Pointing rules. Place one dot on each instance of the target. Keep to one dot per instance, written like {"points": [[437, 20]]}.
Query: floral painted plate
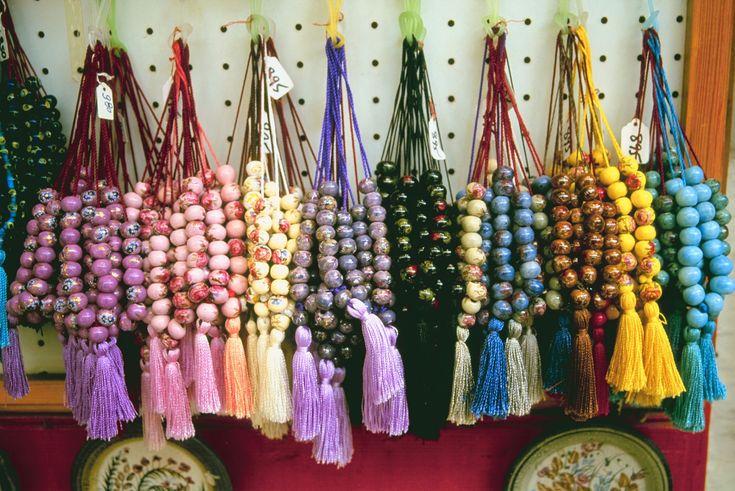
{"points": [[591, 458], [127, 464]]}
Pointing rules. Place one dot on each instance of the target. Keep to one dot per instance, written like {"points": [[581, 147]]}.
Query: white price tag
{"points": [[279, 83], [635, 140], [105, 103], [4, 54], [266, 136], [435, 143], [166, 89]]}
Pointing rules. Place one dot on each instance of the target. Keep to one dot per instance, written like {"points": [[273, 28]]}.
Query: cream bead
{"points": [[279, 287], [261, 286], [294, 230], [477, 208], [291, 245], [278, 241], [476, 291], [292, 216], [261, 309], [279, 323], [471, 223], [279, 272], [289, 202], [470, 306], [277, 304], [264, 222], [474, 256], [251, 327], [259, 270], [255, 168], [264, 323], [270, 189], [471, 239]]}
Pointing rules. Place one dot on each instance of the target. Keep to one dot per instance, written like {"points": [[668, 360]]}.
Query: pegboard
{"points": [[454, 47]]}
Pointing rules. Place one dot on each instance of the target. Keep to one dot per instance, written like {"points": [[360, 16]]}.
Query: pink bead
{"points": [[161, 306], [142, 189], [238, 284], [126, 324], [219, 277], [238, 265], [132, 214], [195, 275], [236, 247], [181, 300], [136, 311], [177, 283], [197, 244], [159, 243], [215, 216], [133, 200], [156, 291], [220, 261], [194, 184], [195, 228], [234, 210], [181, 253], [185, 316], [159, 322], [197, 260], [198, 292], [175, 330], [159, 275], [179, 268], [207, 312], [225, 174], [178, 237], [218, 247], [235, 229], [194, 213], [218, 294], [211, 200], [157, 258], [216, 232], [231, 308], [230, 192]]}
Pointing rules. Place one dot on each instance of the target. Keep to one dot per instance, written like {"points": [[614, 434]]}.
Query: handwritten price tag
{"points": [[279, 83], [635, 140], [105, 104], [266, 136], [435, 141], [4, 55]]}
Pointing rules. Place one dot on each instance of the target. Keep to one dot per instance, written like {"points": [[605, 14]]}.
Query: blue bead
{"points": [[503, 238], [687, 217], [710, 230], [704, 192], [502, 310], [524, 235], [521, 199], [485, 278], [696, 318], [484, 267], [527, 252], [693, 295], [534, 287], [523, 217], [673, 186], [689, 255], [662, 278], [505, 272], [460, 194], [530, 270], [715, 303], [500, 255], [713, 248], [502, 222], [500, 205], [501, 291], [686, 196], [486, 230], [689, 276], [519, 300], [724, 285], [486, 246], [693, 175], [706, 210], [541, 184], [488, 196], [720, 266], [690, 236]]}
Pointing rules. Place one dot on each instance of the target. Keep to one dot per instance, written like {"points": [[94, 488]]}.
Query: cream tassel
{"points": [[518, 403], [460, 412], [532, 363]]}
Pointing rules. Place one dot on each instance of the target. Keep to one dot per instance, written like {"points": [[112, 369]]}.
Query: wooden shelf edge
{"points": [[45, 396]]}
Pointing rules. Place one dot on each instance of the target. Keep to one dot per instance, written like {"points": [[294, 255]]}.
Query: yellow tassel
{"points": [[641, 399], [626, 373], [662, 376]]}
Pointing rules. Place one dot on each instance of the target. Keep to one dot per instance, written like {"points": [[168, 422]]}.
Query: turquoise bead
{"points": [[689, 255], [713, 248], [710, 230], [689, 276], [690, 236], [686, 196], [704, 193], [662, 278], [654, 192], [653, 179], [656, 245], [673, 186], [720, 201], [694, 175], [723, 217], [706, 211], [715, 303], [687, 217], [693, 295], [713, 184], [727, 249], [720, 266], [696, 318], [724, 285]]}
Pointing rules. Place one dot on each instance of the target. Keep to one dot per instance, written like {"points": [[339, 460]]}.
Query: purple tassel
{"points": [[110, 404], [381, 380], [343, 418], [397, 410], [16, 383], [85, 382], [305, 389], [326, 448]]}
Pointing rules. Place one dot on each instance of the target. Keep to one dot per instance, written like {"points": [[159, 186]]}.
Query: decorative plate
{"points": [[591, 458], [126, 464]]}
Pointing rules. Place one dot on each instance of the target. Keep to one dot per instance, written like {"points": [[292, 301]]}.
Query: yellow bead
{"points": [[575, 158], [626, 224], [600, 155], [641, 198], [609, 175], [645, 249], [646, 232], [624, 205], [627, 242], [628, 165], [617, 190]]}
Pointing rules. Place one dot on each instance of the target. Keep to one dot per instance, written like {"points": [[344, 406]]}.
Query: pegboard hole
{"points": [[44, 71], [450, 98], [604, 20], [679, 19], [159, 140], [299, 64], [376, 136], [601, 96], [77, 33], [304, 173], [229, 139], [152, 68], [41, 343], [642, 19], [677, 57], [450, 135], [374, 24], [80, 70], [450, 172], [526, 97], [450, 61], [450, 22], [298, 27], [155, 104], [564, 96], [527, 59], [603, 58], [302, 102], [376, 100], [223, 28], [228, 103], [376, 62], [41, 34], [190, 67], [149, 30], [302, 138], [639, 57], [527, 21], [675, 94], [226, 66]]}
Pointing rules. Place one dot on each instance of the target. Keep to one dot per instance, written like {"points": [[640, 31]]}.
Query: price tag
{"points": [[279, 83], [105, 104], [4, 54], [166, 89], [266, 139], [635, 140], [435, 142]]}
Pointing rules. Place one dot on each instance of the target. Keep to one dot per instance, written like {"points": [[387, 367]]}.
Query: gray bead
{"points": [[308, 211], [327, 203], [348, 262], [345, 231], [337, 337], [325, 232], [358, 212], [381, 296], [360, 228], [382, 263], [346, 327], [329, 247], [359, 292], [310, 304], [299, 274], [376, 214], [333, 278], [368, 185], [324, 300], [341, 298], [329, 188], [354, 277], [388, 317], [364, 257], [308, 227], [347, 246], [381, 246], [299, 292], [311, 196], [302, 258], [368, 271], [326, 217], [344, 217], [326, 351], [377, 230], [372, 199], [300, 318], [326, 319], [382, 279], [327, 263], [364, 242], [304, 242]]}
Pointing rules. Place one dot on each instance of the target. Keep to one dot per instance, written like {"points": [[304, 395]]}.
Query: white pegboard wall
{"points": [[454, 45]]}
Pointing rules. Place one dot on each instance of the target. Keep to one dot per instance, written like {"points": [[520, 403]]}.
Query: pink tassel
{"points": [[205, 386], [217, 347], [109, 404], [188, 366], [178, 415], [343, 417], [15, 381], [152, 425], [305, 389], [381, 380], [156, 369], [326, 448]]}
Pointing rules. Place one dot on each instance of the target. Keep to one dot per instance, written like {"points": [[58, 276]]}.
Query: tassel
{"points": [[491, 391], [273, 431], [205, 383], [581, 395], [238, 394], [662, 377], [253, 375], [561, 349], [263, 324], [714, 389], [460, 412], [625, 373], [675, 327], [326, 449], [396, 413], [381, 380], [4, 329], [188, 368], [178, 415], [86, 385], [156, 370], [109, 404], [71, 370], [599, 356], [279, 408], [152, 425], [15, 381], [518, 402], [343, 418], [532, 364], [217, 348], [305, 389], [688, 411]]}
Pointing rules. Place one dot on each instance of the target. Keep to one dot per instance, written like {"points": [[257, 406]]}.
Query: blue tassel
{"points": [[561, 350], [714, 389], [491, 391], [4, 338], [688, 410]]}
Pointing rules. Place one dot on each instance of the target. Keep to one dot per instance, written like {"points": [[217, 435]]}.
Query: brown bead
{"points": [[576, 215], [588, 275], [644, 216], [593, 207], [591, 257], [646, 265], [561, 181], [612, 256], [573, 200], [599, 302], [560, 247], [578, 230], [588, 193], [560, 213], [580, 298], [568, 278], [560, 196], [629, 261], [611, 272], [585, 180], [595, 223], [577, 171], [611, 226], [593, 240], [560, 263], [576, 246], [563, 230], [609, 210], [609, 290]]}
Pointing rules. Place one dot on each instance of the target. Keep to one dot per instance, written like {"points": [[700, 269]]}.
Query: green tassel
{"points": [[688, 410]]}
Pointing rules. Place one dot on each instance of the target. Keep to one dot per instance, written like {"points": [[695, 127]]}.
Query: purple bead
{"points": [[101, 216], [53, 207], [132, 262], [324, 300], [136, 293], [101, 233], [347, 246], [368, 186], [376, 214], [71, 220], [30, 243], [333, 278], [70, 236], [43, 270], [325, 232], [359, 292], [360, 228], [329, 247], [116, 260], [308, 211], [86, 317], [377, 230], [308, 227], [304, 242], [46, 239], [106, 317], [87, 230], [382, 263], [100, 251], [106, 300], [388, 317], [88, 213], [90, 279], [133, 277], [358, 212], [302, 258], [364, 257], [132, 245], [32, 227], [329, 188], [98, 334], [381, 246], [344, 217], [341, 298], [71, 285], [345, 232], [299, 291], [117, 211], [37, 287], [364, 242], [354, 277], [45, 254], [107, 284], [71, 269], [23, 275], [101, 267], [382, 279], [298, 275], [372, 199], [115, 242], [347, 262], [327, 263], [38, 210], [326, 217], [77, 302], [130, 229]]}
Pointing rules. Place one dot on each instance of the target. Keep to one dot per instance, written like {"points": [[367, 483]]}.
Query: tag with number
{"points": [[279, 83], [266, 137], [635, 140], [105, 104], [4, 55], [435, 142]]}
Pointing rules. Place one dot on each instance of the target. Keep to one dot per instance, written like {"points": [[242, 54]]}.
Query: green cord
{"points": [[412, 25], [258, 25], [116, 43]]}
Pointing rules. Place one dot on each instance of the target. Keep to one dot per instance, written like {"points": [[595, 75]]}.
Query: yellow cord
{"points": [[335, 8]]}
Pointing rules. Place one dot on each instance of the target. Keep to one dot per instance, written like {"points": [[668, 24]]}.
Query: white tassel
{"points": [[278, 407]]}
